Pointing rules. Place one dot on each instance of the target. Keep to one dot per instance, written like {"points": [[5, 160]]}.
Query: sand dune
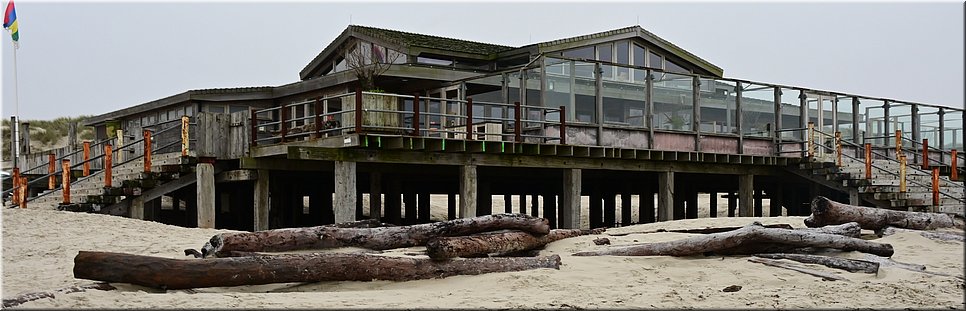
{"points": [[39, 246]]}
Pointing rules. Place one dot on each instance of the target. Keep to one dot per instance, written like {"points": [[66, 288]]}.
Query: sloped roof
{"points": [[176, 99], [429, 41]]}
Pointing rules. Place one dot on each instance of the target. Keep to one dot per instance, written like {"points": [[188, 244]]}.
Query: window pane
{"points": [[929, 125], [953, 132], [900, 116], [843, 113], [433, 61], [674, 67], [718, 107], [605, 52], [872, 120], [622, 53], [581, 53], [757, 110], [655, 60], [791, 113], [623, 103], [585, 102], [558, 86], [673, 102]]}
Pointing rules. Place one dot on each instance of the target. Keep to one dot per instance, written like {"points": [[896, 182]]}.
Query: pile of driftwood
{"points": [[832, 225], [486, 243]]}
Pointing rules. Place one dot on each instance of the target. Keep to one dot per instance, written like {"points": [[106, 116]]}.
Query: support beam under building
{"points": [[261, 201], [626, 208], [375, 195], [646, 206], [665, 196], [775, 202], [746, 193], [713, 204], [468, 188], [137, 207], [345, 191], [206, 195], [570, 199], [550, 209]]}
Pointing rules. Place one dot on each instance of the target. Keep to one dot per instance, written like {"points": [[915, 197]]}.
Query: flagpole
{"points": [[16, 124]]}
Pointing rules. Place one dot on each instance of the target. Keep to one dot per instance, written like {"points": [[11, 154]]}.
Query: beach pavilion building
{"points": [[624, 122]]}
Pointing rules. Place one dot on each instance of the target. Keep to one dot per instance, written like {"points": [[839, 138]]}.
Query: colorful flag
{"points": [[10, 22]]}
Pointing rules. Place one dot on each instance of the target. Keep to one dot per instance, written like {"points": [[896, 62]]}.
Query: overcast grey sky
{"points": [[91, 58]]}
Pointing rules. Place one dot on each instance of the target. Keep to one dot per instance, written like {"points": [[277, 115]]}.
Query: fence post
{"points": [[516, 122], [811, 140], [925, 153], [185, 138], [108, 162], [898, 143], [147, 151], [65, 167], [868, 161], [51, 169], [283, 124], [954, 175], [254, 122], [358, 114], [87, 157], [120, 143], [318, 117], [416, 115], [838, 148], [902, 173], [23, 191], [935, 186], [563, 125], [469, 119], [17, 188]]}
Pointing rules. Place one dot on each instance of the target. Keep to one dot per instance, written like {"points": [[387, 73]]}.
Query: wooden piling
{"points": [[935, 186], [262, 203], [868, 161], [925, 154], [185, 138], [147, 151], [713, 204], [108, 163], [65, 169], [954, 174], [570, 199], [345, 191], [87, 157], [51, 169], [746, 188], [626, 218], [468, 189], [665, 195]]}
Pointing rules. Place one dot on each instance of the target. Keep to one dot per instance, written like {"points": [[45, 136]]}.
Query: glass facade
{"points": [[872, 121], [719, 110], [757, 110], [673, 100], [791, 110]]}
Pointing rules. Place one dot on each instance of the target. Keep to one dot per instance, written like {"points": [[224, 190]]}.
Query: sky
{"points": [[95, 57]]}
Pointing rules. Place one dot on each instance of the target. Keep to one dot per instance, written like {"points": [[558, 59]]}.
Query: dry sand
{"points": [[39, 247]]}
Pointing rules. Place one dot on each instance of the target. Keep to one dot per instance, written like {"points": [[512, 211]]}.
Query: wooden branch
{"points": [[775, 263], [850, 265], [906, 266], [828, 212], [705, 230], [496, 243], [166, 273], [933, 235], [381, 238], [746, 241], [366, 223], [20, 299]]}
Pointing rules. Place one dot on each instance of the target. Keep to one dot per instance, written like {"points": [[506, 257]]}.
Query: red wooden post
{"points": [[318, 117], [935, 186], [23, 191], [284, 122], [87, 157], [416, 115], [868, 161], [954, 175], [147, 151], [17, 187], [563, 125], [108, 162], [185, 140], [358, 113], [254, 121], [838, 148], [469, 119], [898, 143], [65, 167], [925, 153], [51, 169], [516, 122]]}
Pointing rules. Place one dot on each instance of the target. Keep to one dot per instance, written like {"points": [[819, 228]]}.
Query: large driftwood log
{"points": [[779, 264], [828, 212], [20, 299], [849, 229], [381, 238], [166, 273], [744, 241], [499, 243], [850, 265], [933, 235], [366, 223]]}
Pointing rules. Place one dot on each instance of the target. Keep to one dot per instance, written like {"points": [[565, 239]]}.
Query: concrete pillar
{"points": [[665, 196], [759, 195], [550, 209], [713, 204], [570, 199], [261, 201], [345, 191], [206, 195], [137, 207], [375, 195], [746, 191], [854, 197], [646, 206], [468, 188], [626, 208]]}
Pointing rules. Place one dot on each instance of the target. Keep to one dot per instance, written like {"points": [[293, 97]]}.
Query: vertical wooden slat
{"points": [[925, 153], [87, 157], [147, 151], [563, 125], [358, 112], [185, 138], [469, 119], [65, 167], [416, 115], [868, 160], [516, 122], [108, 163], [51, 169]]}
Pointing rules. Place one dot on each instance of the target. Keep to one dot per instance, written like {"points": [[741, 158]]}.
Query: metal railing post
{"points": [[416, 102], [516, 122], [87, 157], [811, 140], [563, 125], [925, 153], [358, 114], [935, 186], [838, 148], [469, 119], [902, 173], [147, 151], [185, 139], [65, 166], [954, 175], [108, 162], [868, 160], [51, 169]]}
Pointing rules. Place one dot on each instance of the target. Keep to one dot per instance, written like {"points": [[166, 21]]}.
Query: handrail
{"points": [[64, 156]]}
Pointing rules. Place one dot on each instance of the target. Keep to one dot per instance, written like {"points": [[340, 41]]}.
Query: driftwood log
{"points": [[850, 265], [705, 230], [498, 243], [779, 264], [828, 212], [366, 223], [20, 299], [932, 235], [752, 239], [166, 273], [888, 262], [381, 238]]}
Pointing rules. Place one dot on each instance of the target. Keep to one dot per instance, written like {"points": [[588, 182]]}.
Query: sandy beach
{"points": [[39, 246]]}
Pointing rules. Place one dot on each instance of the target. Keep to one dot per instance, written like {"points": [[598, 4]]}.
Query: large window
{"points": [[718, 107], [757, 110], [623, 103], [673, 102]]}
